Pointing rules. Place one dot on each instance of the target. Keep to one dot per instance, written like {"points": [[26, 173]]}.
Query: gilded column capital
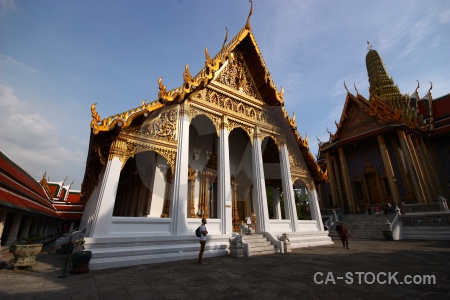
{"points": [[256, 132], [122, 149], [224, 123], [184, 109]]}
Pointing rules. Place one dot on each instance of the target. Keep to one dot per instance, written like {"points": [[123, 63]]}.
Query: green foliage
{"points": [[301, 202], [26, 240], [31, 239]]}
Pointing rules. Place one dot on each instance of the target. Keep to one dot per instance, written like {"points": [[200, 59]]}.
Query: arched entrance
{"points": [[136, 195], [203, 164], [301, 200], [241, 182]]}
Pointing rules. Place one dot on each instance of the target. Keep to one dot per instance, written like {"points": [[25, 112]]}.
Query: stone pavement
{"points": [[287, 276]]}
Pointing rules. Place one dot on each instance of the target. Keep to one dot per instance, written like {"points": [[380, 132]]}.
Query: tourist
{"points": [[377, 211], [203, 233], [369, 211], [385, 208], [343, 234], [389, 207]]}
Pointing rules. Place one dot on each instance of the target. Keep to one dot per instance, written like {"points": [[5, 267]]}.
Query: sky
{"points": [[59, 57]]}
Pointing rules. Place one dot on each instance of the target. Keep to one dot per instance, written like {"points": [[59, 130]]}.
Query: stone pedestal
{"points": [[236, 251], [287, 247]]}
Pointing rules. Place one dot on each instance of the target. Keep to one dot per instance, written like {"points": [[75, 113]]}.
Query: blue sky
{"points": [[59, 57]]}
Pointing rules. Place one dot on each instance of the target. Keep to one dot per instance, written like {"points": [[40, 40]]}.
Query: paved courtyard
{"points": [[369, 270]]}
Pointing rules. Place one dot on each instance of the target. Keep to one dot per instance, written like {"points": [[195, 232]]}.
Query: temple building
{"points": [[210, 148], [391, 148], [29, 207]]}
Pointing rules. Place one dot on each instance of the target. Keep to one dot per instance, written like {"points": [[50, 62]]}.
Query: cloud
{"points": [[9, 63], [7, 6], [444, 16], [31, 140]]}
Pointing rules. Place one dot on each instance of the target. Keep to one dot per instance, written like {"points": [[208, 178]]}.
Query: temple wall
{"points": [[442, 146]]}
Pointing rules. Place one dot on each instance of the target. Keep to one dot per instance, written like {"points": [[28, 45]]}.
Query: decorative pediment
{"points": [[241, 179], [162, 127], [357, 122], [236, 75]]}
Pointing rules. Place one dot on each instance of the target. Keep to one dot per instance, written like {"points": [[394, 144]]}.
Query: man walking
{"points": [[203, 233]]}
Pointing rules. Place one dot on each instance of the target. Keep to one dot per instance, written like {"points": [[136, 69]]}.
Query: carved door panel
{"points": [[241, 203]]}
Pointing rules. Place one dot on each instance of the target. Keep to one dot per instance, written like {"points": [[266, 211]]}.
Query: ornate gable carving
{"points": [[163, 127], [358, 122], [237, 76]]}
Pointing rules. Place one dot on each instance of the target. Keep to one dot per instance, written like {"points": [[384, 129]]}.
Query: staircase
{"points": [[259, 244], [362, 226]]}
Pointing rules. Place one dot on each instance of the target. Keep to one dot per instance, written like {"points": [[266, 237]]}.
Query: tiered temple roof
{"points": [[386, 104], [19, 192]]}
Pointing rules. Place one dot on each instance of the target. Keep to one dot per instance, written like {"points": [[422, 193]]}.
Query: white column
{"points": [[3, 215], [26, 224], [276, 203], [315, 208], [179, 195], [40, 229], [259, 186], [224, 185], [288, 189], [90, 208], [14, 231], [34, 225], [104, 204]]}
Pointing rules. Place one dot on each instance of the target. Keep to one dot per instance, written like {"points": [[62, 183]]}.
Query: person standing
{"points": [[343, 234], [203, 233]]}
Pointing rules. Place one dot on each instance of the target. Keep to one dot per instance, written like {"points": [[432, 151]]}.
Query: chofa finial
{"points": [[346, 88], [250, 13], [226, 38]]}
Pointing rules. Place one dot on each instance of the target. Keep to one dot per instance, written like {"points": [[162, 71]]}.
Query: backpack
{"points": [[197, 232]]}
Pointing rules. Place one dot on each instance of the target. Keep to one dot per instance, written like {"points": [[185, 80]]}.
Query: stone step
{"points": [[363, 226], [259, 244]]}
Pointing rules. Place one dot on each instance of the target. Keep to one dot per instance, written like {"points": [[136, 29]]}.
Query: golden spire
{"points": [[247, 26], [381, 84], [417, 88]]}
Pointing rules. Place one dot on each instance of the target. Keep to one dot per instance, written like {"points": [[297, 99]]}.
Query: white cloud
{"points": [[7, 6], [9, 62], [31, 140], [444, 16]]}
